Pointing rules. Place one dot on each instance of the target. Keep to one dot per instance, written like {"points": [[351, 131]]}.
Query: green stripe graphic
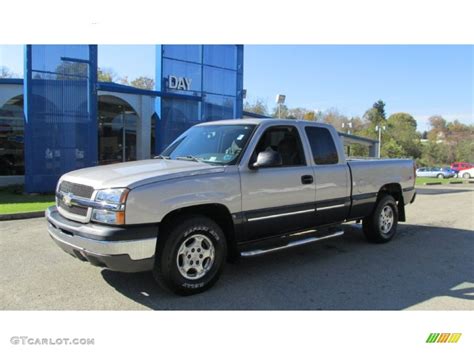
{"points": [[432, 337]]}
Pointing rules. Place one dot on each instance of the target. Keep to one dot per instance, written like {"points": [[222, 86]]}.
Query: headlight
{"points": [[114, 196], [113, 203]]}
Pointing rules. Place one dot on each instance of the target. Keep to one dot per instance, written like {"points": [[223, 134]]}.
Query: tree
{"points": [[438, 128], [401, 128], [309, 116], [280, 111], [71, 71], [143, 82], [375, 116], [392, 149], [106, 75], [334, 118], [6, 73], [258, 106], [379, 106]]}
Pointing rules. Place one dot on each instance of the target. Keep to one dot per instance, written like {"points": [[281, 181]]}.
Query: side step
{"points": [[291, 244]]}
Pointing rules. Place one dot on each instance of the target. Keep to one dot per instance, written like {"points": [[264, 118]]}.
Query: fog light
{"points": [[109, 217]]}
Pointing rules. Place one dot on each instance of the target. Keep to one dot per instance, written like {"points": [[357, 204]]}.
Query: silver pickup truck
{"points": [[223, 190]]}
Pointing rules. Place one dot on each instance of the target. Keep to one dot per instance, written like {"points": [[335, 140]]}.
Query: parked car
{"points": [[440, 173], [458, 166], [466, 173], [223, 190]]}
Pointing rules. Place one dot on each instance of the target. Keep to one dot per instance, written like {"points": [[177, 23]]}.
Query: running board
{"points": [[290, 245]]}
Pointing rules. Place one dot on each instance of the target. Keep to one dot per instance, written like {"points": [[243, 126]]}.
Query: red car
{"points": [[458, 166]]}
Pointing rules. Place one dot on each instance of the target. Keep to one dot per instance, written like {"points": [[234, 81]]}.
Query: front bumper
{"points": [[126, 248]]}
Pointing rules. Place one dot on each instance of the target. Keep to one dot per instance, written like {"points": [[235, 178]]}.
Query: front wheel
{"points": [[189, 257], [466, 176], [440, 176], [381, 225]]}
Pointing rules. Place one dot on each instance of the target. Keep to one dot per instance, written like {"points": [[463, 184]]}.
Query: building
{"points": [[60, 117]]}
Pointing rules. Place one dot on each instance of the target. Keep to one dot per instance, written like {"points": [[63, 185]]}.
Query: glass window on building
{"points": [[189, 53], [217, 107], [132, 65], [221, 56], [51, 62], [178, 116], [12, 137], [220, 81], [188, 74]]}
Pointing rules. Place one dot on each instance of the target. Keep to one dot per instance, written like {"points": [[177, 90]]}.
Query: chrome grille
{"points": [[76, 189], [81, 211]]}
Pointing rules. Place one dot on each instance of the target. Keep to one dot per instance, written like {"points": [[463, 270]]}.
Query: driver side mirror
{"points": [[267, 159]]}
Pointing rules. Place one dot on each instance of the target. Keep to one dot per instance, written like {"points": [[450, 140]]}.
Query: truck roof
{"points": [[259, 121]]}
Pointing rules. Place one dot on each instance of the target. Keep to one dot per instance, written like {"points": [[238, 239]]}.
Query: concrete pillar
{"points": [[146, 108], [374, 150]]}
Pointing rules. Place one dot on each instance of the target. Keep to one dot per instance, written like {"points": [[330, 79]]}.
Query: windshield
{"points": [[214, 144]]}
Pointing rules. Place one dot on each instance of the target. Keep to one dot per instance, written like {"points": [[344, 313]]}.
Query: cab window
{"points": [[284, 140]]}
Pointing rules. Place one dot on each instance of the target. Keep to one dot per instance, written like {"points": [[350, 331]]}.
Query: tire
{"points": [[380, 228], [466, 176], [195, 243], [440, 176]]}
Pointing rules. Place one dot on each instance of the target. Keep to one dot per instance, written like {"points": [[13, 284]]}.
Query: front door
{"points": [[277, 200], [117, 131]]}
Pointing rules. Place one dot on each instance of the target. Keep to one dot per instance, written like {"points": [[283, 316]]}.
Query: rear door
{"points": [[332, 176], [277, 200]]}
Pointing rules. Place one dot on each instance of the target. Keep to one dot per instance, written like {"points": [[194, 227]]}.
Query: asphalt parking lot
{"points": [[430, 265]]}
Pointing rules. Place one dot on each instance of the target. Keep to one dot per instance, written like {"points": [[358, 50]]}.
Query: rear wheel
{"points": [[466, 176], [381, 225], [440, 176], [190, 256]]}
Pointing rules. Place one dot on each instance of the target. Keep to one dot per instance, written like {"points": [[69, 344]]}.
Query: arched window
{"points": [[12, 128], [117, 130]]}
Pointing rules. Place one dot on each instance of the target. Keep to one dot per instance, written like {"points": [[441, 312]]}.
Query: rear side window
{"points": [[322, 145]]}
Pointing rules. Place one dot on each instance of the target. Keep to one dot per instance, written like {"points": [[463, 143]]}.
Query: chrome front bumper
{"points": [[127, 249]]}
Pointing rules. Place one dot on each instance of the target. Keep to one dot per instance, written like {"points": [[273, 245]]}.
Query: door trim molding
{"points": [[280, 215]]}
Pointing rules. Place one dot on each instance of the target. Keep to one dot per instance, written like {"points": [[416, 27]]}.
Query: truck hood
{"points": [[137, 173]]}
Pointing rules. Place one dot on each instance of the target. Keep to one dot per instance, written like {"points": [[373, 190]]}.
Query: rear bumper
{"points": [[126, 249]]}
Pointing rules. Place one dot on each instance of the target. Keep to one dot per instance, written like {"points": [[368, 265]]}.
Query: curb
{"points": [[23, 215], [432, 183], [456, 182]]}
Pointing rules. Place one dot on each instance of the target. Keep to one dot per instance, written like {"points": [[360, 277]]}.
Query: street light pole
{"points": [[280, 100], [379, 129]]}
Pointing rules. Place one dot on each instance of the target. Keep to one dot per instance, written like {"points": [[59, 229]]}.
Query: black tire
{"points": [[372, 225], [440, 176], [167, 269], [466, 176]]}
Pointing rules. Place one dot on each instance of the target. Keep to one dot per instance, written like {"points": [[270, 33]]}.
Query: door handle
{"points": [[306, 179]]}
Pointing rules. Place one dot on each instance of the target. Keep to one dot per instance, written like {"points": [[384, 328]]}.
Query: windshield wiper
{"points": [[161, 157], [189, 158]]}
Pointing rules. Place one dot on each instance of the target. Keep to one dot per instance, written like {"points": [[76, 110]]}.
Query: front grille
{"points": [[76, 189], [81, 211]]}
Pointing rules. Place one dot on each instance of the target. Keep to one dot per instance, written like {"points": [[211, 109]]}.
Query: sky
{"points": [[420, 80], [417, 79]]}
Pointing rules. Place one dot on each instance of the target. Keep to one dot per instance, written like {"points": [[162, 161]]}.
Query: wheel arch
{"points": [[394, 190], [219, 213]]}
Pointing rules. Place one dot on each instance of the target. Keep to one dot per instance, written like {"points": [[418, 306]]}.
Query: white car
{"points": [[466, 173]]}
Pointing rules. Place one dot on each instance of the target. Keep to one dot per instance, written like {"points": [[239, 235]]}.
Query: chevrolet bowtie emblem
{"points": [[67, 199]]}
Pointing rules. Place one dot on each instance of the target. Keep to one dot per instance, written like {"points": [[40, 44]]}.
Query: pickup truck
{"points": [[224, 190]]}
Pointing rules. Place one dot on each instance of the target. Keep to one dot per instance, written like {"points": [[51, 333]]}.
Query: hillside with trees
{"points": [[444, 143]]}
